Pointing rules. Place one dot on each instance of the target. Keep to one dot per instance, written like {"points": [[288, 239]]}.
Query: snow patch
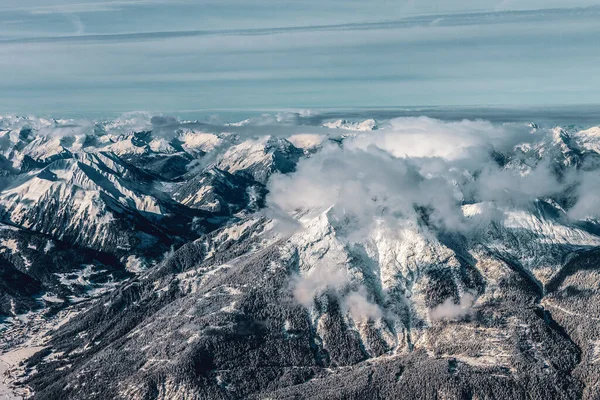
{"points": [[10, 245], [135, 264], [366, 125]]}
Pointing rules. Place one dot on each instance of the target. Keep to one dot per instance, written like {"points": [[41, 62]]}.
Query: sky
{"points": [[105, 57]]}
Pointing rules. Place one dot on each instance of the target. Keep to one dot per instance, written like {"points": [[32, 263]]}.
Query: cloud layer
{"points": [[429, 173]]}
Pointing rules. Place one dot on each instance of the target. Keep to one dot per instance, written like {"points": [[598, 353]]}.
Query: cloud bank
{"points": [[429, 173], [413, 167]]}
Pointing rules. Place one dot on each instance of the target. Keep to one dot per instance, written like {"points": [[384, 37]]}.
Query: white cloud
{"points": [[359, 306], [307, 141], [364, 184], [588, 197], [335, 278], [317, 281], [428, 137], [449, 310], [421, 164]]}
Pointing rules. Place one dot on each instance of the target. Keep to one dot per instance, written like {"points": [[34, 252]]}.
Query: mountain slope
{"points": [[39, 271], [229, 327], [93, 201]]}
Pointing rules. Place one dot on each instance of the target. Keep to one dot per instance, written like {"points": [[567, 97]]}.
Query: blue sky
{"points": [[106, 57]]}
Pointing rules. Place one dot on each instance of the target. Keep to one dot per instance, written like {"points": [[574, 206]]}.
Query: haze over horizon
{"points": [[107, 57]]}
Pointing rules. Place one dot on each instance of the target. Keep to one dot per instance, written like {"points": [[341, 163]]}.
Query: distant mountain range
{"points": [[286, 258]]}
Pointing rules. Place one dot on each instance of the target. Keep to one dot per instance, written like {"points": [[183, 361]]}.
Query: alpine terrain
{"points": [[299, 256]]}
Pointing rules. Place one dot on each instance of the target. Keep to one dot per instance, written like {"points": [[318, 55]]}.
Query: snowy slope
{"points": [[219, 192], [260, 158], [540, 238]]}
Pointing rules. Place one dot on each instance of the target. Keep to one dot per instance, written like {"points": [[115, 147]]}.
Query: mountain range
{"points": [[278, 257]]}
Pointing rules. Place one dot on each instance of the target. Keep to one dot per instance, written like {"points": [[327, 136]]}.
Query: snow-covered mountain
{"points": [[366, 125], [219, 192], [260, 158], [208, 261]]}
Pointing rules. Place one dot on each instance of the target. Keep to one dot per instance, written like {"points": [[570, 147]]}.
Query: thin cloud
{"points": [[90, 7], [445, 20], [77, 23]]}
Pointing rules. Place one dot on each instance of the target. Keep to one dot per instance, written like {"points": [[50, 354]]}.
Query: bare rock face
{"points": [[145, 265]]}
